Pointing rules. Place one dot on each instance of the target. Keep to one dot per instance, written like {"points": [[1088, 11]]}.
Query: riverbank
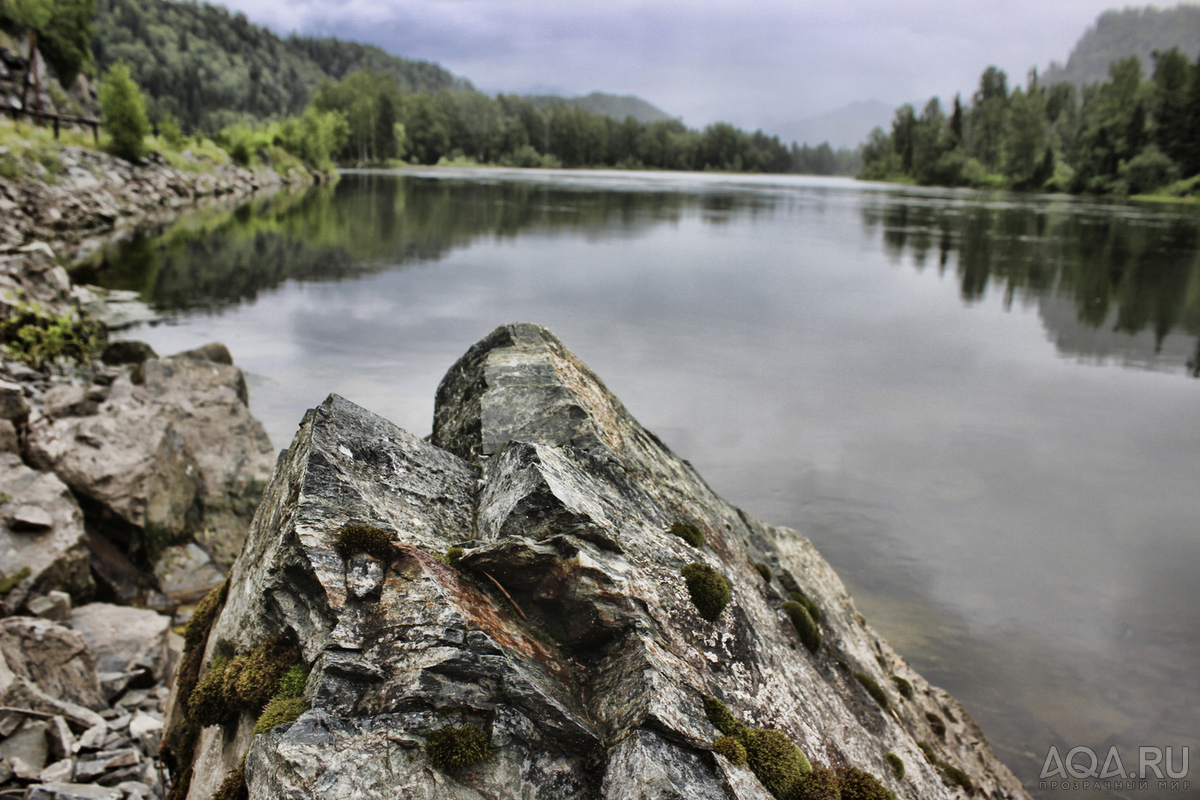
{"points": [[127, 481]]}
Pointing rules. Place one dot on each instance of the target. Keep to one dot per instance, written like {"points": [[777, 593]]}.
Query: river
{"points": [[981, 407]]}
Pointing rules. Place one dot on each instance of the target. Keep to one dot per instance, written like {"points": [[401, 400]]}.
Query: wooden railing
{"points": [[59, 119]]}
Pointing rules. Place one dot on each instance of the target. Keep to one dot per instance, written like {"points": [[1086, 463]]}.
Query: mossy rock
{"points": [[451, 748], [254, 678], [689, 533], [709, 589], [927, 749], [896, 763], [872, 688], [820, 784], [721, 717], [764, 571], [291, 683], [357, 538], [806, 626], [775, 760], [731, 748], [280, 712], [855, 784], [903, 687], [7, 584], [453, 556], [204, 615], [209, 703]]}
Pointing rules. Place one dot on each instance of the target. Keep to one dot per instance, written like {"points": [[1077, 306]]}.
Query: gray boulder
{"points": [[173, 457], [41, 535], [565, 634], [123, 639], [53, 658]]}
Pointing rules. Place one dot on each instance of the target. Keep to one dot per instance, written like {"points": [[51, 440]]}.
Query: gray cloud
{"points": [[759, 63]]}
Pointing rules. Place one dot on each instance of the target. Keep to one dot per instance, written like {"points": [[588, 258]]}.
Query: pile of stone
{"points": [[82, 699], [94, 192]]}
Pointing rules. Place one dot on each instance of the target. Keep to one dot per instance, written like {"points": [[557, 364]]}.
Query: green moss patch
{"points": [[928, 751], [954, 775], [775, 759], [234, 786], [806, 626], [7, 584], [731, 748], [721, 717], [709, 589], [903, 687], [809, 604], [452, 748], [855, 784], [452, 556], [689, 533], [936, 724], [280, 712], [896, 763], [245, 683], [764, 571], [819, 784], [872, 688], [356, 538]]}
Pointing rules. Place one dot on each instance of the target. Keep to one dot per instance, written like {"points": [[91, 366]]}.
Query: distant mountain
{"points": [[1128, 32], [210, 67], [616, 106], [847, 126]]}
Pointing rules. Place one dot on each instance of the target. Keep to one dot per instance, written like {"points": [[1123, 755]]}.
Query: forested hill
{"points": [[610, 105], [1129, 32], [211, 68]]}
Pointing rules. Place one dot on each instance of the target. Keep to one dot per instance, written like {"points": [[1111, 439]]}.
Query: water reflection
{"points": [[1133, 277], [1125, 271]]}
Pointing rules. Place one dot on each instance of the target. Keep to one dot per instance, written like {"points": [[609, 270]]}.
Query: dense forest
{"points": [[210, 68], [1126, 135], [1124, 33]]}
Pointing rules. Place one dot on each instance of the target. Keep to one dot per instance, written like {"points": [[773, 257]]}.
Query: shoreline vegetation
{"points": [[1125, 137]]}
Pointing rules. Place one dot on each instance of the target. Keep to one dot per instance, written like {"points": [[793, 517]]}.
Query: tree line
{"points": [[1126, 135]]}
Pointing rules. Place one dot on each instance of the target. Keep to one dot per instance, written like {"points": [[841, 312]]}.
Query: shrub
{"points": [[903, 687], [872, 688], [775, 759], [452, 748], [721, 717], [809, 604], [124, 113], [764, 571], [34, 337], [709, 589], [689, 533], [820, 784], [1148, 170], [896, 763], [859, 785], [810, 632], [936, 724], [168, 129], [356, 538], [280, 712], [732, 749]]}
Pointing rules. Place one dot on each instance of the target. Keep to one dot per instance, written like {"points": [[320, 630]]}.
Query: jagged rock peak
{"points": [[537, 605]]}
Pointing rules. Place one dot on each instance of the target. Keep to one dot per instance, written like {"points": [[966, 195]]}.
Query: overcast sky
{"points": [[756, 63]]}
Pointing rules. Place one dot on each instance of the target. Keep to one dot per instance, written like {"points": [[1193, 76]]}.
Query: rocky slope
{"points": [[503, 612]]}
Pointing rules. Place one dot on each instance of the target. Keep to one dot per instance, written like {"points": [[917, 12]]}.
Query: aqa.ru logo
{"points": [[1082, 769]]}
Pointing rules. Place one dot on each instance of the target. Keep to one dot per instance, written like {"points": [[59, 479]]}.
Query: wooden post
{"points": [[56, 127]]}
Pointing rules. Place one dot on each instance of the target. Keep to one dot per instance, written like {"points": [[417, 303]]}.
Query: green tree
{"points": [[124, 113], [65, 39], [988, 120], [1112, 128], [1172, 79], [1025, 146]]}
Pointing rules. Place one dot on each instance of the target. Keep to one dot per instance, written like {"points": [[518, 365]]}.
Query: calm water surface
{"points": [[983, 409]]}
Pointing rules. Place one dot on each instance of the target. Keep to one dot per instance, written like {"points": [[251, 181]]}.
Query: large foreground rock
{"points": [[566, 633], [174, 456]]}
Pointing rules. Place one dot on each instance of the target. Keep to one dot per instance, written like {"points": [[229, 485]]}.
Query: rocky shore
{"points": [[127, 484]]}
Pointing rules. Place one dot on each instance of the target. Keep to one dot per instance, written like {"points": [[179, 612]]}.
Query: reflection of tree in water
{"points": [[364, 223], [1126, 268]]}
